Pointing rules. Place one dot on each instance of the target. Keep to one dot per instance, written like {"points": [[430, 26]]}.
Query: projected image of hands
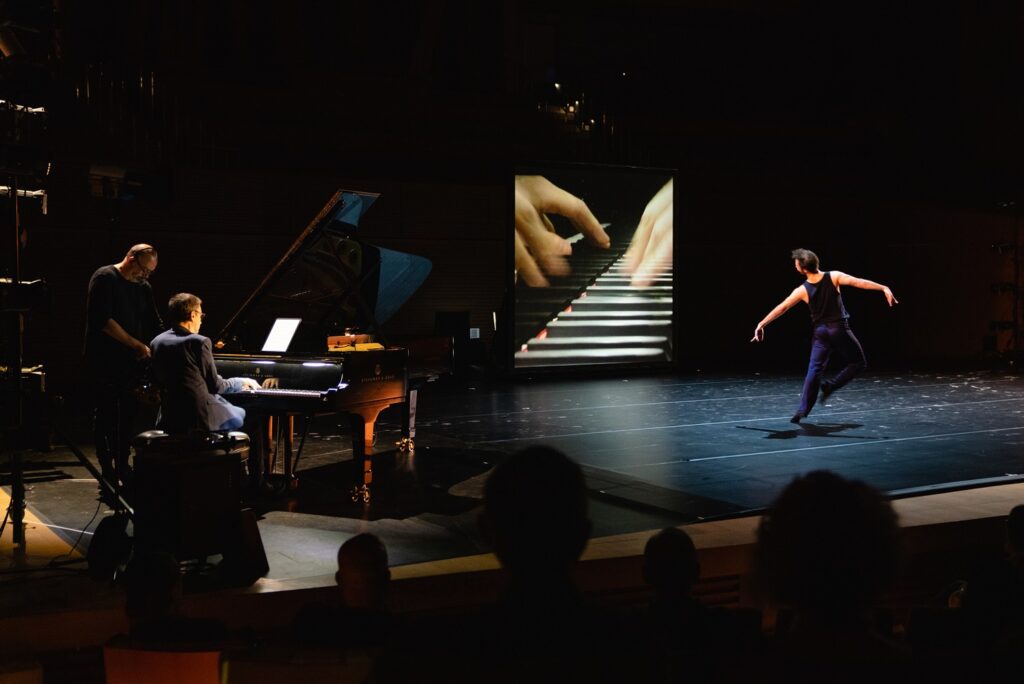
{"points": [[540, 251], [650, 253], [592, 277]]}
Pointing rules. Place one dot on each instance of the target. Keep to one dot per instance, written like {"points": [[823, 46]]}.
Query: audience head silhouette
{"points": [[670, 563], [1015, 532], [827, 546], [535, 513], [363, 575]]}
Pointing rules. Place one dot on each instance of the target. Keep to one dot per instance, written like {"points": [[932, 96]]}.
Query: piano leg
{"points": [[363, 423], [278, 434], [407, 443], [270, 454], [288, 426], [293, 481]]}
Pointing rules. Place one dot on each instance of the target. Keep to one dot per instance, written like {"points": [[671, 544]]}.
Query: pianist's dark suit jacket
{"points": [[189, 385]]}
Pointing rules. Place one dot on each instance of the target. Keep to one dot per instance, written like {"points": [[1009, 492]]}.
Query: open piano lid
{"points": [[333, 281]]}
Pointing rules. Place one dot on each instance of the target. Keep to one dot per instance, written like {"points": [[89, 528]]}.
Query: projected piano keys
{"points": [[605, 320]]}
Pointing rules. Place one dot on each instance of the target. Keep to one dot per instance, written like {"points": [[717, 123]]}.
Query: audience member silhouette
{"points": [[827, 548], [154, 589], [681, 637], [993, 602], [676, 631], [358, 617], [671, 567], [535, 519]]}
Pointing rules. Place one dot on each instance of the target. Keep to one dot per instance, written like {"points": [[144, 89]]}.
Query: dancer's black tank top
{"points": [[825, 301]]}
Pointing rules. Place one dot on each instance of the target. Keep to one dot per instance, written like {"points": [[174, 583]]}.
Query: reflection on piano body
{"points": [[593, 315], [337, 285]]}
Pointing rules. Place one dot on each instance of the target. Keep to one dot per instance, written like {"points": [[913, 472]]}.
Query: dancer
{"points": [[831, 327]]}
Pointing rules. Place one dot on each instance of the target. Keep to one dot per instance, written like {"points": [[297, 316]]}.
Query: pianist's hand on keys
{"points": [[539, 250], [241, 385], [650, 253]]}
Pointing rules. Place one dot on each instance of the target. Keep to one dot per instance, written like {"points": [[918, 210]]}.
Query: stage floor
{"points": [[657, 451]]}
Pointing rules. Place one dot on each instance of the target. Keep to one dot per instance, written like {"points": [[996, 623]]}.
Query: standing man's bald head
{"points": [[139, 262]]}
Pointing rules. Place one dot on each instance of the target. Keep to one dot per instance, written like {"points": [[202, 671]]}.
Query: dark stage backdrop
{"points": [[883, 136], [223, 232]]}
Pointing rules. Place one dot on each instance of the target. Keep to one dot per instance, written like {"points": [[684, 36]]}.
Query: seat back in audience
{"points": [[353, 669], [135, 666], [22, 671]]}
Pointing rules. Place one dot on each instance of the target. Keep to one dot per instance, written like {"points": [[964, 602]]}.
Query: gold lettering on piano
{"points": [[379, 378]]}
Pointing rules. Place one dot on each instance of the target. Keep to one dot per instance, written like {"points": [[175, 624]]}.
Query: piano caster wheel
{"points": [[405, 444], [360, 493]]}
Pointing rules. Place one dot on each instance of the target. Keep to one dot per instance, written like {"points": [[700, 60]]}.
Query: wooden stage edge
{"points": [[941, 532]]}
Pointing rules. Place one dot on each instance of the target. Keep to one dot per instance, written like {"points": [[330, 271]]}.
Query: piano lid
{"points": [[333, 281]]}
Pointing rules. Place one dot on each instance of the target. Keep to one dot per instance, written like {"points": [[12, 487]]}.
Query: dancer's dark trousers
{"points": [[831, 338]]}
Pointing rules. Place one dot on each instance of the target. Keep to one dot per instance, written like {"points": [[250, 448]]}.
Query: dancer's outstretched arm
{"points": [[840, 278], [797, 295]]}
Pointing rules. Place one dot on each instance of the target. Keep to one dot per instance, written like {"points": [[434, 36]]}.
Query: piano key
{"points": [[552, 343], [589, 356], [622, 303], [599, 327], [593, 315]]}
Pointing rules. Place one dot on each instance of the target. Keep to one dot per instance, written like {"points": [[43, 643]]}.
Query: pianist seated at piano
{"points": [[190, 388]]}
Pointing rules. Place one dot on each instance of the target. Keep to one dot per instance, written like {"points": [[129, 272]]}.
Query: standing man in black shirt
{"points": [[120, 314], [831, 326]]}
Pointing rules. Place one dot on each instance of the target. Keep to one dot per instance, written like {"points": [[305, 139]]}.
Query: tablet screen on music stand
{"points": [[281, 334]]}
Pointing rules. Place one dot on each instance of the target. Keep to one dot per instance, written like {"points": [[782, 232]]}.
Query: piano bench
{"points": [[187, 491], [197, 443]]}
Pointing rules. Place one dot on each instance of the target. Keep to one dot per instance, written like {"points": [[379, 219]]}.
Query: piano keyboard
{"points": [[607, 320], [291, 393]]}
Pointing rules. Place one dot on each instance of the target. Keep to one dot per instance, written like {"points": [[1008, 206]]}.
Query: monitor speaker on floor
{"points": [[245, 561]]}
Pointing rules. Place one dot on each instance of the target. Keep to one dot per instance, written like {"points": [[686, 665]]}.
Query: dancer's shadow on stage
{"points": [[810, 430]]}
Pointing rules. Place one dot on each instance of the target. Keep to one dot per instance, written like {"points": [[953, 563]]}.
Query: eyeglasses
{"points": [[144, 272], [202, 315]]}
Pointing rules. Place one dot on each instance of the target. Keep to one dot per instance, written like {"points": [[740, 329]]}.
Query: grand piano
{"points": [[306, 332]]}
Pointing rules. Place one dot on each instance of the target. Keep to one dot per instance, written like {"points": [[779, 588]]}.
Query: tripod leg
{"points": [[18, 501]]}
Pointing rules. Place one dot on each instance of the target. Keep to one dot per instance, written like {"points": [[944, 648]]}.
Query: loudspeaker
{"points": [[455, 326], [110, 547], [245, 560]]}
